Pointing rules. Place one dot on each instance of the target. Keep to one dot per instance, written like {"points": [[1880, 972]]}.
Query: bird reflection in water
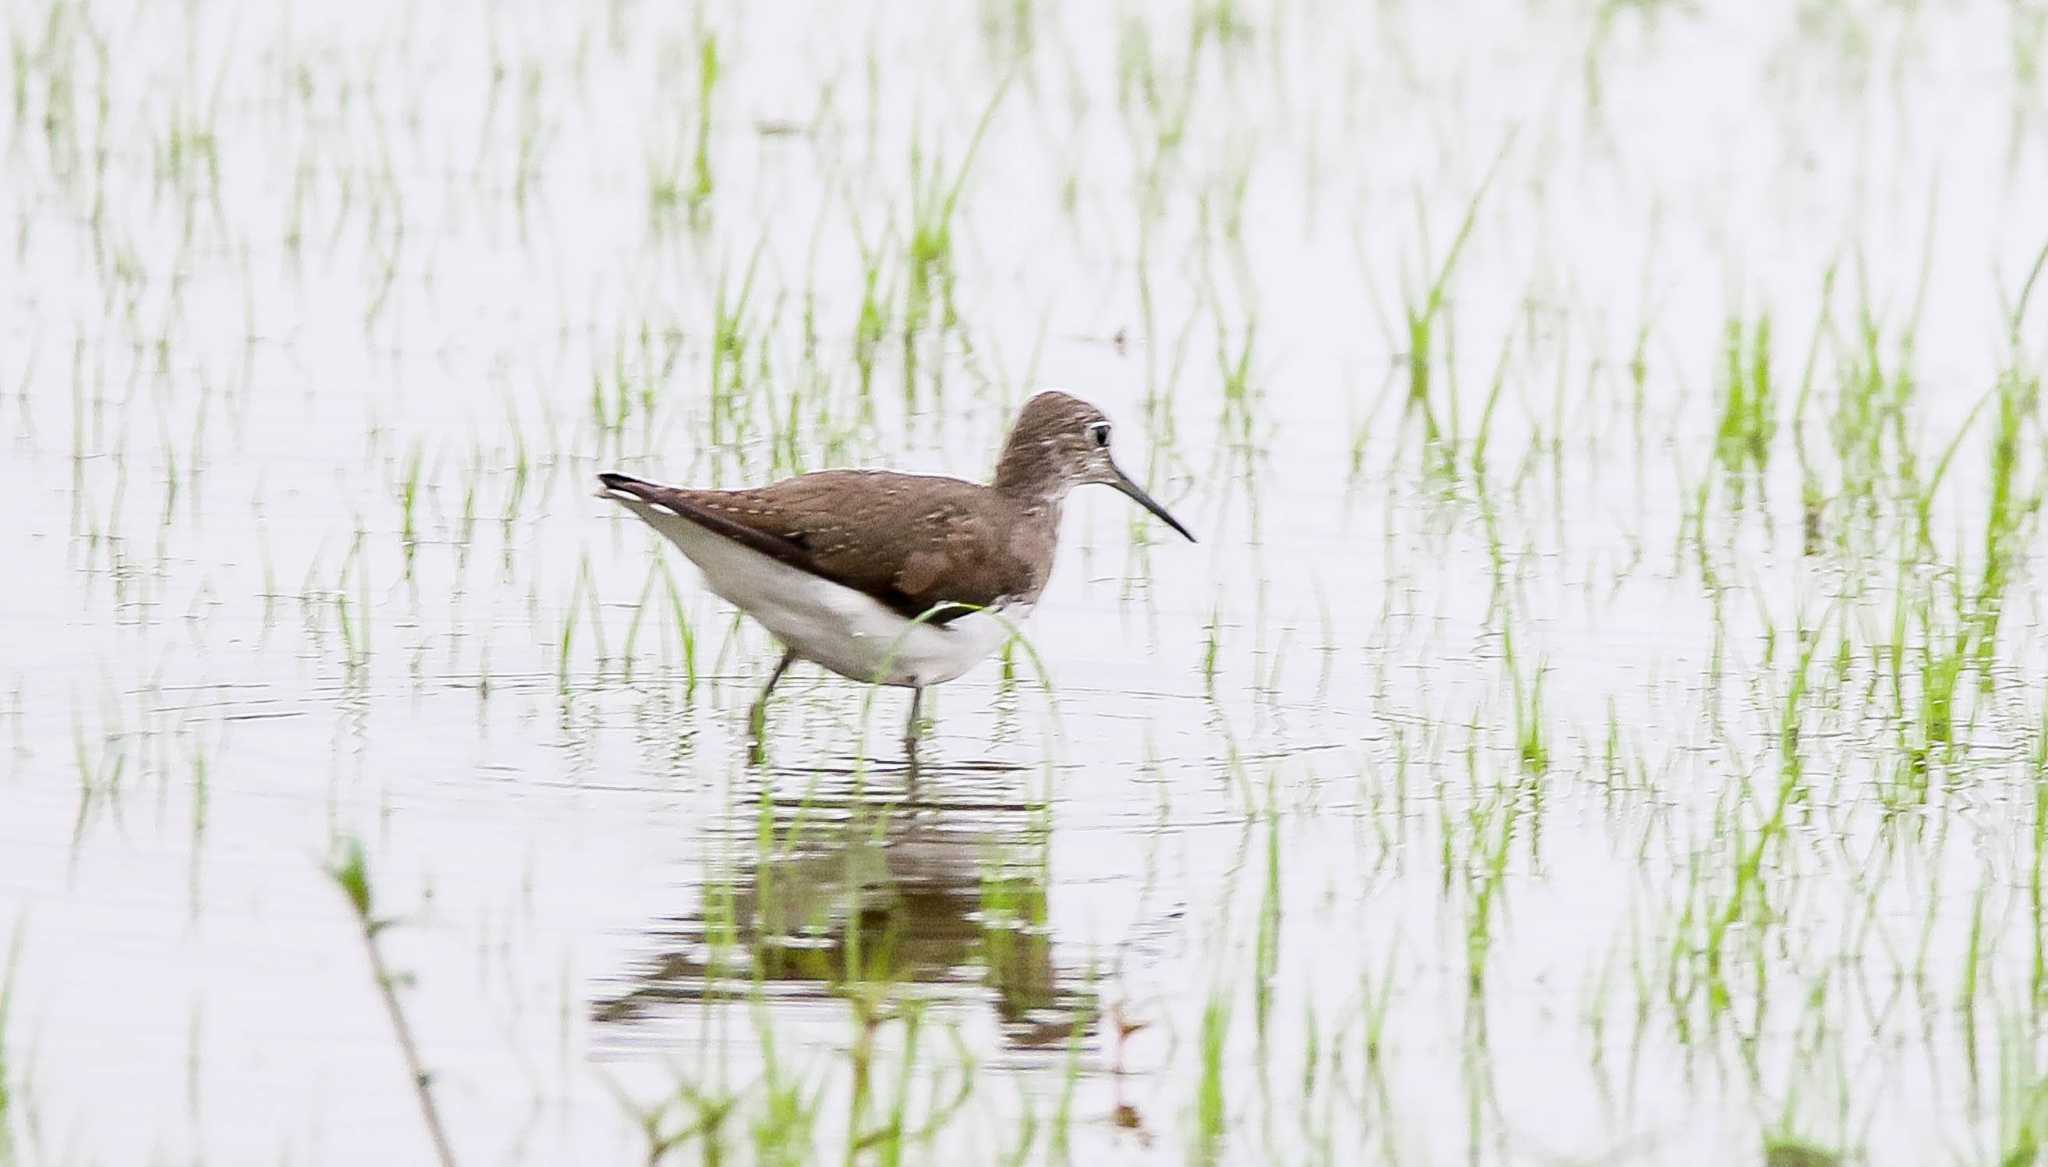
{"points": [[841, 896]]}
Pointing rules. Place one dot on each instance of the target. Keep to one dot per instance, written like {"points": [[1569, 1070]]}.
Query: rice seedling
{"points": [[1749, 835], [8, 1071], [928, 264], [2022, 1099], [1266, 943], [350, 872], [408, 503], [1211, 1105], [700, 159], [1748, 404], [1424, 310]]}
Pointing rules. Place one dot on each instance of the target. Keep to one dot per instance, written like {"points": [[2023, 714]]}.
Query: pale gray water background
{"points": [[262, 260]]}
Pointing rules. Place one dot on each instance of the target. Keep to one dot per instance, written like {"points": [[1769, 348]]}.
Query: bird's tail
{"points": [[624, 488]]}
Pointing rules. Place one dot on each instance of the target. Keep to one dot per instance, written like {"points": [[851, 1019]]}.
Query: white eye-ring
{"points": [[1100, 432]]}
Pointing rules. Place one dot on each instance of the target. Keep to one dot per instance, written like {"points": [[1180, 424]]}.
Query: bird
{"points": [[891, 578]]}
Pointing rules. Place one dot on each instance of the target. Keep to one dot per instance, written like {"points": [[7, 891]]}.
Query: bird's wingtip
{"points": [[617, 487]]}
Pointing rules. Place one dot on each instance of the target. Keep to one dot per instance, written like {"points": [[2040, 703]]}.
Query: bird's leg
{"points": [[910, 729], [757, 717]]}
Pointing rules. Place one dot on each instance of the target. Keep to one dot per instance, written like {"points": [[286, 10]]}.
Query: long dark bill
{"points": [[1123, 483]]}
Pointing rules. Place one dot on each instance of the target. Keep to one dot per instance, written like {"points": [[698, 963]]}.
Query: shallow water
{"points": [[1530, 764]]}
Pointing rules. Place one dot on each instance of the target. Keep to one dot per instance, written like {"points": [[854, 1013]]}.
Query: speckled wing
{"points": [[908, 541]]}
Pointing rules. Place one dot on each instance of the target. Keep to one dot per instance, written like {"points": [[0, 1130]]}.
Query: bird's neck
{"points": [[1027, 476]]}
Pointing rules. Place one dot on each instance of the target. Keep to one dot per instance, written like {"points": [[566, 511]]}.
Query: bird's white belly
{"points": [[842, 629]]}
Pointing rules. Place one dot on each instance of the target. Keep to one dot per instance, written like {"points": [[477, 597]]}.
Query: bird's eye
{"points": [[1100, 432]]}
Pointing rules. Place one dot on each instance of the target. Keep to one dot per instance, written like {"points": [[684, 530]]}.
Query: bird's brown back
{"points": [[910, 541]]}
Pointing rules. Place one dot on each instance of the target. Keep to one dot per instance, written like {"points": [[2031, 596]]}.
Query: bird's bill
{"points": [[1137, 493]]}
